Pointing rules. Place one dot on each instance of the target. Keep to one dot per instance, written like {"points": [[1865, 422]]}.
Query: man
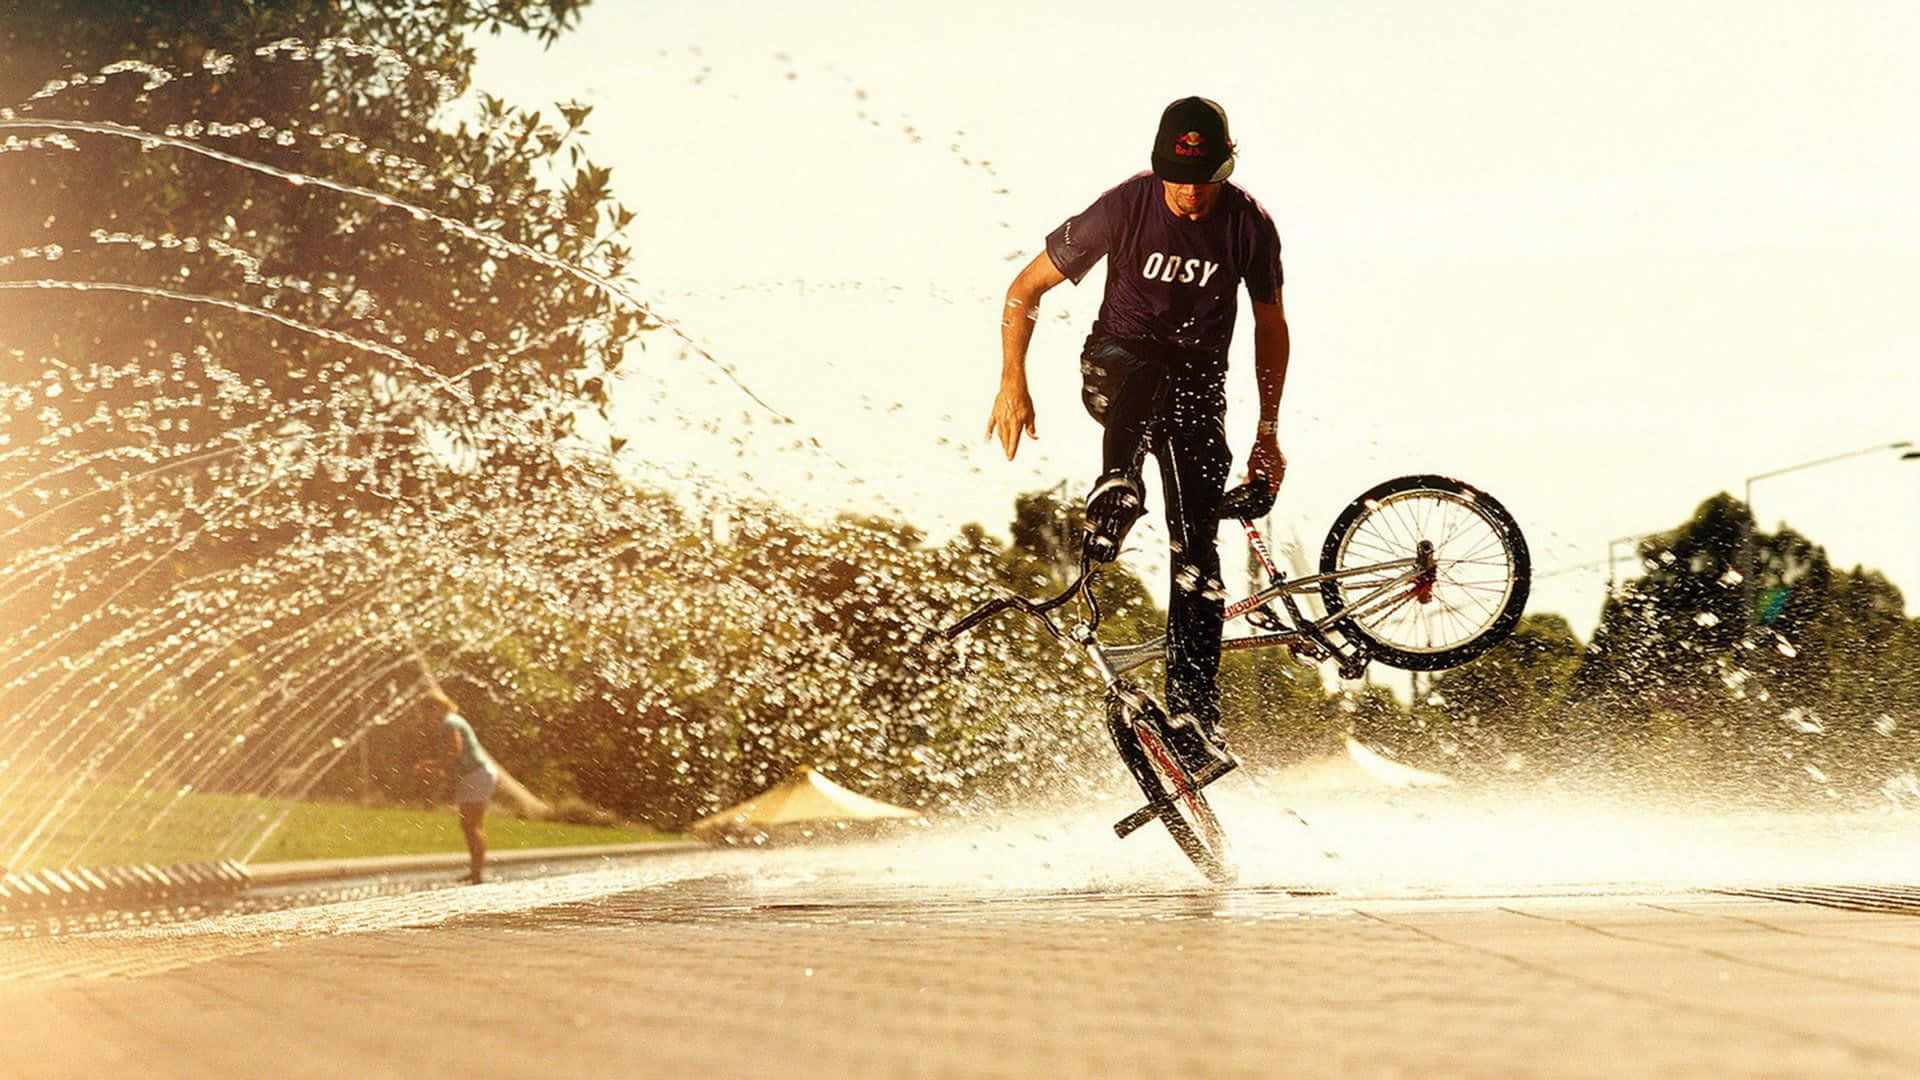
{"points": [[1178, 242]]}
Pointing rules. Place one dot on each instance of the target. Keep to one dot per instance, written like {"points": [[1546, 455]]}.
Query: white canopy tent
{"points": [[806, 799], [1359, 767]]}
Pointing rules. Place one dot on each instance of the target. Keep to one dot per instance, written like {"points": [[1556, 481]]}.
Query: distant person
{"points": [[1179, 242], [474, 772]]}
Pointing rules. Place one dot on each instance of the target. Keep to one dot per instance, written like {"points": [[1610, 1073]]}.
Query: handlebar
{"points": [[1252, 499], [1038, 610], [980, 614]]}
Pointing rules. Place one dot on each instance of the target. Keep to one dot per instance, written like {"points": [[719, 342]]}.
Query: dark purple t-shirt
{"points": [[1171, 280]]}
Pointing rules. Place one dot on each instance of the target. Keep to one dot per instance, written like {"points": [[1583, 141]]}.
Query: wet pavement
{"points": [[1010, 953]]}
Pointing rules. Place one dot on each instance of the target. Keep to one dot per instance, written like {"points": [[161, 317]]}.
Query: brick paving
{"points": [[717, 973]]}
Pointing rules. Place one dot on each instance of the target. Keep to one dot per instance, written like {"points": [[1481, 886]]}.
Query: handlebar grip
{"points": [[980, 614]]}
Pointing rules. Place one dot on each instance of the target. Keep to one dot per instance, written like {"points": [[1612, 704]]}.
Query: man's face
{"points": [[1191, 200]]}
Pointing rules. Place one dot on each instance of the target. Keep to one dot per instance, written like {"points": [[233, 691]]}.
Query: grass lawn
{"points": [[105, 825], [332, 831]]}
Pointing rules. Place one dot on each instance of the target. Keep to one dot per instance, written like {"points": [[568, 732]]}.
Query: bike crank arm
{"points": [[1126, 826]]}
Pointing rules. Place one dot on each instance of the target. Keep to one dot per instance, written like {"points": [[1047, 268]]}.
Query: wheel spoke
{"points": [[1478, 567]]}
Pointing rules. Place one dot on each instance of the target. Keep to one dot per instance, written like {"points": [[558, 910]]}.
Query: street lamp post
{"points": [[1753, 521], [1874, 449], [1611, 544]]}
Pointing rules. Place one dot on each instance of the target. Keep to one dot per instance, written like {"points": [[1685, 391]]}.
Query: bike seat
{"points": [[1253, 499]]}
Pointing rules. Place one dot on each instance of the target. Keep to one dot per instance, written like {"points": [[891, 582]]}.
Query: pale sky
{"points": [[1602, 260]]}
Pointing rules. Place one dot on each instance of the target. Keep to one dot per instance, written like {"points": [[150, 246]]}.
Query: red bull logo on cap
{"points": [[1192, 144]]}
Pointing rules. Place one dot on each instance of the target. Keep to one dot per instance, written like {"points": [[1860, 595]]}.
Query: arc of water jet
{"points": [[156, 560], [132, 633], [194, 458], [52, 755], [241, 713], [316, 688], [27, 655], [317, 722], [151, 626], [45, 563], [320, 721], [294, 798], [381, 719], [202, 744], [179, 778], [334, 336], [536, 599], [297, 642], [421, 213], [205, 742], [252, 268], [209, 454], [157, 470]]}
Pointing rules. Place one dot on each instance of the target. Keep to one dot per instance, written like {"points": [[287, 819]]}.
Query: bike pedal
{"points": [[1126, 826]]}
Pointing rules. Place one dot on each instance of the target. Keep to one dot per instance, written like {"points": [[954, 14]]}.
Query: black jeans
{"points": [[1172, 403]]}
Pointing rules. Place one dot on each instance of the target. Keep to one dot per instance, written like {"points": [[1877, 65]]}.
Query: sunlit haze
{"points": [[486, 575]]}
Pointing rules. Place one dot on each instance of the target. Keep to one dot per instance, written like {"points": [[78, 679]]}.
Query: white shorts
{"points": [[476, 786]]}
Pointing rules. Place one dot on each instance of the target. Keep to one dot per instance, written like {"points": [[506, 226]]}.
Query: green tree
{"points": [[1743, 665], [1044, 557], [1274, 709], [330, 320], [109, 384], [1508, 705]]}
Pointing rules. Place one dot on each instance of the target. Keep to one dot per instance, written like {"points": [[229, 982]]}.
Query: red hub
{"points": [[1426, 573]]}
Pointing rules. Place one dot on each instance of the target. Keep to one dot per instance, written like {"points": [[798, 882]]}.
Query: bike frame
{"points": [[1306, 637]]}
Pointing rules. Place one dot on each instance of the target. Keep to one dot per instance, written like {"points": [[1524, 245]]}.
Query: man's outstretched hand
{"points": [[1267, 462], [1012, 415]]}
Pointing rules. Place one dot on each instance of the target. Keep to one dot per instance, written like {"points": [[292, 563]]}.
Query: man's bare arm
{"points": [[1013, 405], [1272, 347]]}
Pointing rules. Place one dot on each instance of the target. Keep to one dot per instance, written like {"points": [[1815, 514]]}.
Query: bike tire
{"points": [[1488, 569], [1177, 801]]}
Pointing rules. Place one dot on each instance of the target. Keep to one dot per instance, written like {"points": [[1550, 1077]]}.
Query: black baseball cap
{"points": [[1192, 146]]}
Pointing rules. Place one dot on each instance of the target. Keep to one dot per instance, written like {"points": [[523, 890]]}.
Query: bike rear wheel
{"points": [[1472, 591], [1136, 727]]}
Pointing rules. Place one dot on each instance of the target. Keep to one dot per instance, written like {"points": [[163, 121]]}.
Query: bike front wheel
{"points": [[1137, 727], [1429, 571]]}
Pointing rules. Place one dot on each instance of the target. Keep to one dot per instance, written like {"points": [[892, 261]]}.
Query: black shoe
{"points": [[1201, 752], [1113, 506]]}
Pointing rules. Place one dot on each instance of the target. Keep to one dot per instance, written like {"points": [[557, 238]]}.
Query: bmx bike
{"points": [[1422, 573]]}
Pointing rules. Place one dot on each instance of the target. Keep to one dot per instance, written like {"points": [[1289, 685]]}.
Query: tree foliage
{"points": [[1741, 666]]}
